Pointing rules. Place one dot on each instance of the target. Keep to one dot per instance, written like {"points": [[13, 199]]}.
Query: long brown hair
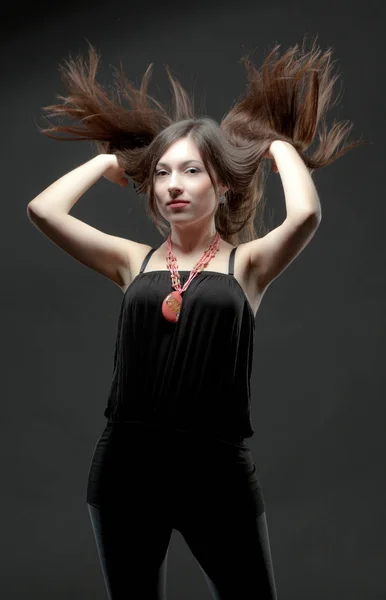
{"points": [[287, 99]]}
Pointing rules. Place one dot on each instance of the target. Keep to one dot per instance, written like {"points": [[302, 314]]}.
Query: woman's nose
{"points": [[174, 188]]}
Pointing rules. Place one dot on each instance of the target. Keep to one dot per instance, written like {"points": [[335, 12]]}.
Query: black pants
{"points": [[144, 482]]}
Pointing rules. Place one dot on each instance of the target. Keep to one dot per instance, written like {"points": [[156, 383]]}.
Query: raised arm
{"points": [[49, 212], [273, 253]]}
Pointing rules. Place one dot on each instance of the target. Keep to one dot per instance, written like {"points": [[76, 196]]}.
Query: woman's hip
{"points": [[137, 464]]}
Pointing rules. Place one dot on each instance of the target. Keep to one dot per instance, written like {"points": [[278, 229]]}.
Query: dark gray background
{"points": [[318, 383]]}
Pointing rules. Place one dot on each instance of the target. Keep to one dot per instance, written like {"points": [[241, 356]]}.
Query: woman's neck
{"points": [[191, 242]]}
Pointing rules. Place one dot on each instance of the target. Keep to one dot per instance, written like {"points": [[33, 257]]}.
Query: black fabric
{"points": [[193, 375], [145, 481]]}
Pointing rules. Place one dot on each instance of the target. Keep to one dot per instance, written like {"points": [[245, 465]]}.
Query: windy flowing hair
{"points": [[287, 99]]}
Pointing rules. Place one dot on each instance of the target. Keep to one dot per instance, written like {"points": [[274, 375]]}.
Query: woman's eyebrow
{"points": [[185, 162]]}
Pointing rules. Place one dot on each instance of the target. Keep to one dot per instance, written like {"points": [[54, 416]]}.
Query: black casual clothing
{"points": [[190, 375], [173, 453], [145, 481]]}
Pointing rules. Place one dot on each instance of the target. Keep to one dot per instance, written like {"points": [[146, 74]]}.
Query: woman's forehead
{"points": [[181, 150]]}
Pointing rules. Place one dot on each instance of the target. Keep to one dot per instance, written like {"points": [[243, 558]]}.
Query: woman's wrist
{"points": [[105, 160], [276, 145]]}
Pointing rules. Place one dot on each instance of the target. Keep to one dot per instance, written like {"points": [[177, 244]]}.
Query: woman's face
{"points": [[181, 174]]}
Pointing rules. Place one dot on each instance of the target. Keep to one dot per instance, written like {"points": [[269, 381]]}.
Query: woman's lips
{"points": [[178, 203]]}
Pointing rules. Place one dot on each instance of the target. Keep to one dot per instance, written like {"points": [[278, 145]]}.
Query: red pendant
{"points": [[171, 307]]}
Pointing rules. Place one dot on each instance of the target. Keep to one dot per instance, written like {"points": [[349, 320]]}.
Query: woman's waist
{"points": [[168, 432]]}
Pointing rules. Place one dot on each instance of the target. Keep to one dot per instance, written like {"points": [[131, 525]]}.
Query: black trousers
{"points": [[145, 481]]}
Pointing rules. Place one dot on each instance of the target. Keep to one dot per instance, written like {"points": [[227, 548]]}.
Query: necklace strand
{"points": [[171, 306]]}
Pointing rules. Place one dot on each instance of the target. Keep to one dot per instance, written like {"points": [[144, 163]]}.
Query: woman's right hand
{"points": [[114, 172]]}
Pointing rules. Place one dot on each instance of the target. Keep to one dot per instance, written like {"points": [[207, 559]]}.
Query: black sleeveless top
{"points": [[193, 375]]}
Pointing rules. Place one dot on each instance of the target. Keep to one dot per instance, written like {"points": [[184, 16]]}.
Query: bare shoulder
{"points": [[244, 253], [132, 254]]}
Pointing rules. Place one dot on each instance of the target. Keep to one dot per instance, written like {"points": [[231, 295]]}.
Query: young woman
{"points": [[173, 454]]}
